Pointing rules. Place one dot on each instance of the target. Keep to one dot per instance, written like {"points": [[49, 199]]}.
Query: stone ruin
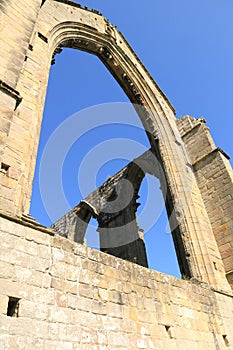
{"points": [[56, 293]]}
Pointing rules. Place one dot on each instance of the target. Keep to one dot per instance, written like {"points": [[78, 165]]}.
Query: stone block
{"points": [[115, 310], [3, 304], [6, 270], [32, 310], [98, 307], [86, 290], [59, 314]]}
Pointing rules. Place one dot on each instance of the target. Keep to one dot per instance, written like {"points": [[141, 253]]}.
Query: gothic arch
{"points": [[114, 205], [63, 23]]}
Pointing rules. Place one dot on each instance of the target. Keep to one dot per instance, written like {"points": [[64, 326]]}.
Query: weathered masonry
{"points": [[55, 293]]}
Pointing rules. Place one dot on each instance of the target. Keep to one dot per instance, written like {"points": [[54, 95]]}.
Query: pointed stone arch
{"points": [[66, 24]]}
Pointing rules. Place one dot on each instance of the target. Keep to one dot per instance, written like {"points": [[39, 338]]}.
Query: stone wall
{"points": [[73, 297], [18, 18], [215, 179], [17, 30]]}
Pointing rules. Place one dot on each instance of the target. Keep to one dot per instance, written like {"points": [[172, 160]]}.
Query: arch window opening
{"points": [[92, 236], [152, 216], [79, 80]]}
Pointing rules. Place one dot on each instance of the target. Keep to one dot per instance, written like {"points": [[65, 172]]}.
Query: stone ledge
{"points": [[216, 150], [219, 291], [7, 89], [20, 220]]}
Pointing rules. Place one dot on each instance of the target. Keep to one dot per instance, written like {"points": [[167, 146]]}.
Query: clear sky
{"points": [[187, 48]]}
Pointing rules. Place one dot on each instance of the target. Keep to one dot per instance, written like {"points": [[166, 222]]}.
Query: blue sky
{"points": [[187, 48]]}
